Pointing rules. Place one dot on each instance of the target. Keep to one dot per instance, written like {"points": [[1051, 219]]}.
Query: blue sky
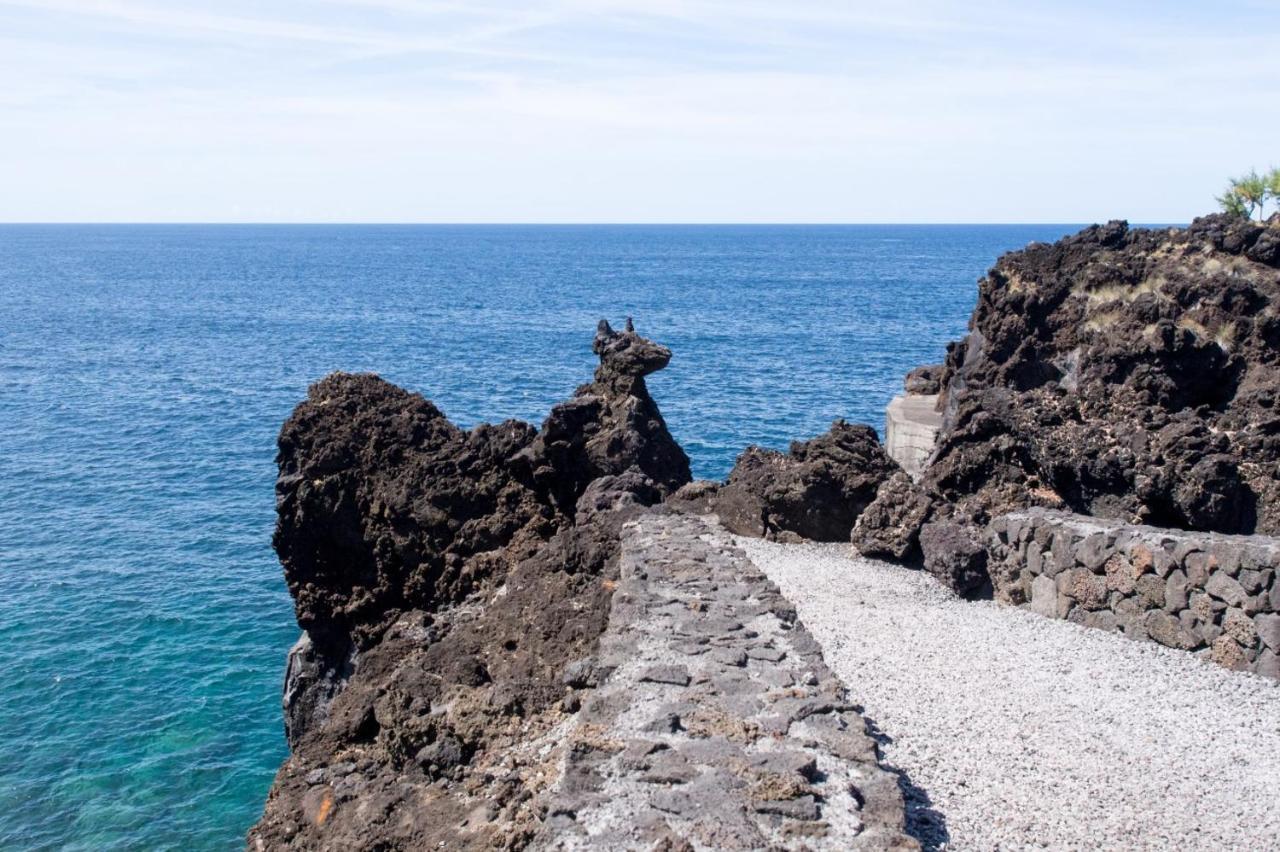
{"points": [[620, 111]]}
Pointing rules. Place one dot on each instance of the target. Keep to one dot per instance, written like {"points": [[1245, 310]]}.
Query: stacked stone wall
{"points": [[1213, 595]]}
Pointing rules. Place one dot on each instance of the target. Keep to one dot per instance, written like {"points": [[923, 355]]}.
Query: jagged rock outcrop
{"points": [[889, 528], [815, 491], [445, 580], [926, 380], [1123, 373], [610, 425]]}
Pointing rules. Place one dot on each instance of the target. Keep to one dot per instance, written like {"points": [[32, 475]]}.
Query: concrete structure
{"points": [[911, 424]]}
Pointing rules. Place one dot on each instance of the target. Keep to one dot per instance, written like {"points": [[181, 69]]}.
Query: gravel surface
{"points": [[1014, 731]]}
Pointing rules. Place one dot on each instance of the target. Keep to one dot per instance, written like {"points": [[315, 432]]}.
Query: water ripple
{"points": [[144, 372]]}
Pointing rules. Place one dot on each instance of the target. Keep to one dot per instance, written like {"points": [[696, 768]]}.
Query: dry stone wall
{"points": [[714, 722], [1214, 595]]}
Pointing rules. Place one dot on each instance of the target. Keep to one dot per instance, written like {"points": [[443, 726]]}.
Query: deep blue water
{"points": [[145, 370]]}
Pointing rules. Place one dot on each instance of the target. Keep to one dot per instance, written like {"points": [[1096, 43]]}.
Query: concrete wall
{"points": [[911, 424], [1214, 595]]}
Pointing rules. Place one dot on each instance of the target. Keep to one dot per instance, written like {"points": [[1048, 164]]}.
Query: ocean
{"points": [[145, 372]]}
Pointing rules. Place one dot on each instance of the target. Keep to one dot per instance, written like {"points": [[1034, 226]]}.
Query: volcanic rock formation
{"points": [[1123, 373], [815, 491], [445, 579]]}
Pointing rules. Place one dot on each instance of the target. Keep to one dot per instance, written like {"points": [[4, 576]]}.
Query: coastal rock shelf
{"points": [[1123, 373], [717, 721], [1212, 594]]}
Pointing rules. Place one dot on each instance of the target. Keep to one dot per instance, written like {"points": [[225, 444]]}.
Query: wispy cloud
{"points": [[672, 109]]}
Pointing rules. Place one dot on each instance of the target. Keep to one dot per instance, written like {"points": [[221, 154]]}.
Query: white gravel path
{"points": [[1025, 732]]}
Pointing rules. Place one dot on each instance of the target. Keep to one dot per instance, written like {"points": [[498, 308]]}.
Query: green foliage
{"points": [[1247, 195], [1233, 204]]}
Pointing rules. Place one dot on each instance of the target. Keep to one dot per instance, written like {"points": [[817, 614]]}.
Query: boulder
{"points": [[889, 528], [815, 491], [954, 553]]}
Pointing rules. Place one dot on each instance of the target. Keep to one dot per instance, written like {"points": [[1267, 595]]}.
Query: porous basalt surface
{"points": [[1016, 732], [1122, 373], [815, 491], [444, 580], [716, 724]]}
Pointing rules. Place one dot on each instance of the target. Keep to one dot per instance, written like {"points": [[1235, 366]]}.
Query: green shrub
{"points": [[1247, 195]]}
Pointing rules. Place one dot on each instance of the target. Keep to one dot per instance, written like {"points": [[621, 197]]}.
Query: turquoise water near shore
{"points": [[145, 371]]}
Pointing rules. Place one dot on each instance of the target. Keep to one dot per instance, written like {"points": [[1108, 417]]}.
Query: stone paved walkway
{"points": [[714, 723]]}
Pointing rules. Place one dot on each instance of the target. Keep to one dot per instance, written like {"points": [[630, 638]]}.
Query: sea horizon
{"points": [[572, 224]]}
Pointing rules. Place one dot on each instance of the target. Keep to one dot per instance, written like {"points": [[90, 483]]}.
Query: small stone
{"points": [[1142, 558], [772, 655], [1226, 588], [663, 723], [786, 763], [1226, 653], [1268, 664], [678, 801], [1197, 567], [732, 657], [1088, 589], [1101, 620], [1044, 596], [1252, 581], [1239, 627], [803, 808], [1163, 561], [1093, 552], [314, 777], [1202, 606], [1168, 631], [1120, 577], [1149, 590], [674, 675], [1267, 626], [669, 767], [1175, 591]]}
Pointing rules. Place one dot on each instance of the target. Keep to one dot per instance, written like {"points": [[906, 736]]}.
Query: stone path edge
{"points": [[708, 717]]}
